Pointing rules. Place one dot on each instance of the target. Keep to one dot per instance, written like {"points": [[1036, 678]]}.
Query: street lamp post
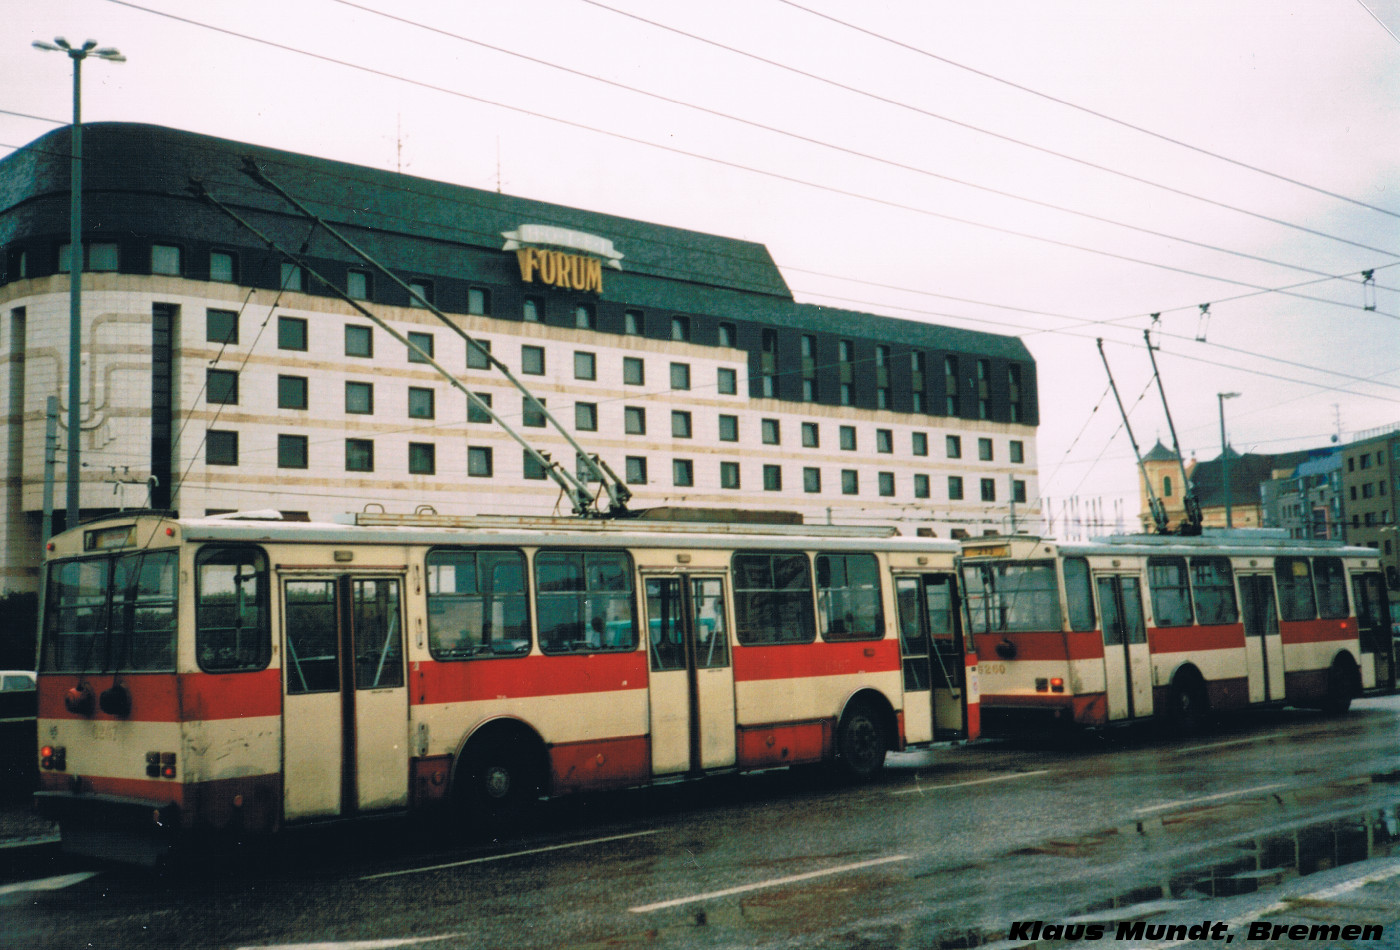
{"points": [[1225, 457], [75, 258]]}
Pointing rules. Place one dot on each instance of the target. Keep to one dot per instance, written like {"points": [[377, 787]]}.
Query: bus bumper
{"points": [[110, 827]]}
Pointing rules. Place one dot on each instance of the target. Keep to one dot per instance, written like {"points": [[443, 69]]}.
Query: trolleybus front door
{"points": [[1373, 628], [931, 641], [692, 681], [1127, 659], [345, 709], [1263, 648]]}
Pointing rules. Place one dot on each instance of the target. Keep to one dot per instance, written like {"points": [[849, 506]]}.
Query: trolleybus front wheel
{"points": [[860, 743], [1189, 707], [502, 778]]}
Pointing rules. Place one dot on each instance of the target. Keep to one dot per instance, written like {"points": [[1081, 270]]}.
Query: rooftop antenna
{"points": [[1154, 504], [1191, 524]]}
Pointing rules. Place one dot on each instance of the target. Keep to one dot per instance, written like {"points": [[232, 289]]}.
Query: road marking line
{"points": [[513, 854], [1229, 742], [760, 885], [1207, 798], [387, 943], [920, 789], [48, 883]]}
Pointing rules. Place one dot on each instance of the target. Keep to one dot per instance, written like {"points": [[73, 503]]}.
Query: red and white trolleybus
{"points": [[1134, 626], [244, 674]]}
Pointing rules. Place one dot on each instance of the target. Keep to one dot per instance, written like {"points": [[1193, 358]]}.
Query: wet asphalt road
{"points": [[951, 848]]}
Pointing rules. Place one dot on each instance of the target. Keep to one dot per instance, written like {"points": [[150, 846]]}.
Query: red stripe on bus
{"points": [[169, 697], [600, 763], [802, 660], [527, 676], [789, 743], [1049, 645], [1195, 639], [1317, 631]]}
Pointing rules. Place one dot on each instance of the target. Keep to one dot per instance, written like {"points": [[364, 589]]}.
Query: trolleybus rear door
{"points": [[1127, 658], [1263, 648], [931, 641], [345, 709], [1373, 627], [692, 681]]}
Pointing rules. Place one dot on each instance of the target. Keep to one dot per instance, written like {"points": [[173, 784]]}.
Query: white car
{"points": [[15, 681]]}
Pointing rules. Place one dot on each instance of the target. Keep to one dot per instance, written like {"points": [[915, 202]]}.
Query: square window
{"points": [[424, 342], [478, 356], [727, 334], [480, 463], [359, 341], [532, 468], [729, 475], [359, 455], [586, 416], [221, 387], [682, 473], [291, 333], [771, 434], [220, 447], [532, 413], [1017, 451], [989, 489], [359, 398], [633, 371], [221, 326], [584, 316], [772, 478], [680, 329], [532, 360], [422, 403], [223, 267], [585, 365], [420, 293], [886, 480], [954, 444], [422, 458], [921, 489], [478, 301], [477, 410], [102, 257], [728, 428], [812, 480], [984, 450], [848, 438], [811, 437], [850, 482], [1018, 491], [165, 259], [919, 443], [532, 310], [634, 420], [884, 441], [728, 382], [634, 323], [291, 392], [955, 488], [680, 375], [291, 277], [291, 451], [357, 285], [680, 424], [636, 470]]}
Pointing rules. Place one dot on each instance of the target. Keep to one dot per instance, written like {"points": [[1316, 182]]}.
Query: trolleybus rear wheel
{"points": [[860, 743]]}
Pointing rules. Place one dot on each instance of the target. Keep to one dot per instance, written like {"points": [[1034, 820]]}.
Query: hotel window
{"points": [[584, 316], [844, 351], [955, 488], [532, 360], [728, 382], [359, 398], [882, 357], [634, 323], [102, 257], [809, 368], [421, 403], [884, 441], [291, 333], [680, 424], [882, 397], [850, 482], [727, 335], [989, 489], [680, 329], [424, 342], [220, 447], [291, 392], [984, 450], [950, 385], [586, 416], [848, 438], [845, 354], [357, 285], [680, 376], [919, 442], [728, 428], [221, 387], [809, 390], [476, 359], [423, 289], [165, 259], [729, 475], [422, 458], [359, 455], [916, 402], [921, 486], [223, 267], [476, 411], [359, 341], [983, 390], [1018, 491], [480, 463], [847, 394], [634, 420], [532, 468], [633, 371], [682, 472], [772, 478], [221, 326], [811, 480], [291, 451], [585, 365], [954, 445], [811, 437], [917, 383], [771, 433], [532, 310], [532, 413], [1013, 386], [1017, 451], [768, 364], [886, 484], [636, 470], [478, 301]]}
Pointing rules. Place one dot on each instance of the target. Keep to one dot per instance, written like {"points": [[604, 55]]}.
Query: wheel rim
{"points": [[497, 782], [863, 743]]}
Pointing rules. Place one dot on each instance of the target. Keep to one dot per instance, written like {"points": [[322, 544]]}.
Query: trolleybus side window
{"points": [[1079, 594], [773, 599], [1171, 591], [1213, 589], [914, 642], [232, 633], [1012, 596], [1295, 592], [1331, 583], [848, 597], [313, 642], [378, 627], [583, 600], [143, 612], [476, 604], [75, 615]]}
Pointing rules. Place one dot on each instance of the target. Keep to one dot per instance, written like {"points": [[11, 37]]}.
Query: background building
{"points": [[216, 376], [1370, 477]]}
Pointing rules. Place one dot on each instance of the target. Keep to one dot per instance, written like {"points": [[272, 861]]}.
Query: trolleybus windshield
{"points": [[111, 612], [1011, 596]]}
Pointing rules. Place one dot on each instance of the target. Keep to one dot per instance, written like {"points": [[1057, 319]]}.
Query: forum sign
{"points": [[569, 260]]}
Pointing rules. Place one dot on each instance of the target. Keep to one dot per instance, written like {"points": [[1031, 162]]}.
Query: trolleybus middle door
{"points": [[1373, 628], [1263, 647], [1126, 655], [345, 709], [931, 642], [692, 681]]}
